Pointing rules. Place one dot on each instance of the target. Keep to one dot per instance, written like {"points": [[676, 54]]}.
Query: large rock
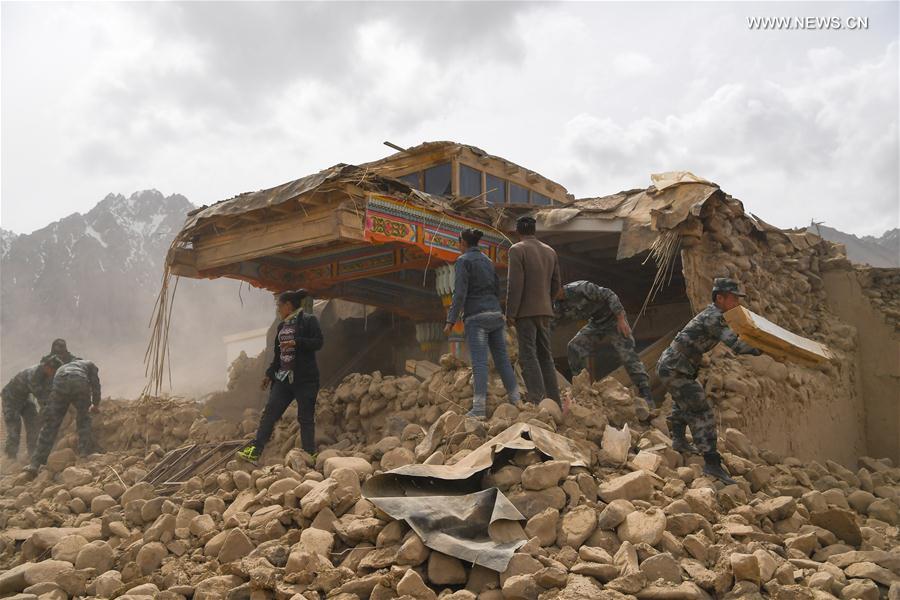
{"points": [[85, 493], [150, 557], [531, 502], [95, 555], [520, 564], [661, 566], [703, 501], [577, 525], [317, 541], [579, 587], [543, 526], [59, 460], [521, 587], [74, 476], [108, 584], [745, 567], [445, 570], [360, 465], [68, 547], [413, 552], [397, 457], [318, 497], [241, 503], [777, 509], [544, 475], [633, 486], [139, 491], [101, 503], [202, 525], [868, 570], [236, 545], [643, 527], [840, 522], [162, 530], [411, 584], [216, 588], [884, 510], [614, 513], [18, 578]]}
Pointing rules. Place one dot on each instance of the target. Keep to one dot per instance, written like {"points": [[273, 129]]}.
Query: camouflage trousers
{"points": [[690, 409], [70, 390], [589, 340], [15, 411]]}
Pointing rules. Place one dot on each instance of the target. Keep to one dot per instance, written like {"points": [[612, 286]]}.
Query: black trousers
{"points": [[281, 395]]}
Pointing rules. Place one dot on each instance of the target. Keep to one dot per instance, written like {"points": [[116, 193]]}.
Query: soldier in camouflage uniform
{"points": [[59, 348], [18, 405], [76, 383], [607, 323], [678, 367]]}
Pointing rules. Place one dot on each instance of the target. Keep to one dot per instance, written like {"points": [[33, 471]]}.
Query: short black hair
{"points": [[526, 226], [293, 297], [58, 343], [471, 236]]}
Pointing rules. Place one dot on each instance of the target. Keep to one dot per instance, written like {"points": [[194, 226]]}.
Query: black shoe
{"points": [[681, 445], [651, 403], [714, 468]]}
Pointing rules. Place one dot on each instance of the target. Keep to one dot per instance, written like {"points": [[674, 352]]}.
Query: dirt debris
{"points": [[298, 527]]}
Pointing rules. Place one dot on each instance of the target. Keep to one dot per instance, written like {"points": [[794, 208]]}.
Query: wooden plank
{"points": [[774, 340]]}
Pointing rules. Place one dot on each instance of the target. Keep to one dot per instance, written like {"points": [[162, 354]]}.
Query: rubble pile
{"points": [[300, 527]]}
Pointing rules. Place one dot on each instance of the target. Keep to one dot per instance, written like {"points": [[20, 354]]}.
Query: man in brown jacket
{"points": [[532, 283]]}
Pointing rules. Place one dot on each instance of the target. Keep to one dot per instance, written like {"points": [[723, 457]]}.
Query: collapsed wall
{"points": [[802, 411], [869, 300]]}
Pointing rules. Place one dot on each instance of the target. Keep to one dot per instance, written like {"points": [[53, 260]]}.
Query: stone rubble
{"points": [[297, 527]]}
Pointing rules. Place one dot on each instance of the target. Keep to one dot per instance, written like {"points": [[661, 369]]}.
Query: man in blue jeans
{"points": [[476, 294]]}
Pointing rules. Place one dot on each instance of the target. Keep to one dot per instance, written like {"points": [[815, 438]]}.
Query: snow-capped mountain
{"points": [[881, 251], [93, 280]]}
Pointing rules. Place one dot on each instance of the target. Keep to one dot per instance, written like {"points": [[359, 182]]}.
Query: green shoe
{"points": [[249, 454]]}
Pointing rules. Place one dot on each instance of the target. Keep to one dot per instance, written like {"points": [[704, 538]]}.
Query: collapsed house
{"points": [[385, 234]]}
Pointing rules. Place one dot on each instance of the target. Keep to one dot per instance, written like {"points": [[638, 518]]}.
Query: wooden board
{"points": [[294, 232], [777, 342]]}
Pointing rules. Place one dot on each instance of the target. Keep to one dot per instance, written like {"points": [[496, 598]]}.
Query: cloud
{"points": [[824, 144], [212, 99], [632, 63]]}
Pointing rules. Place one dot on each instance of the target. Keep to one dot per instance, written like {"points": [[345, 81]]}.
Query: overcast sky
{"points": [[210, 100]]}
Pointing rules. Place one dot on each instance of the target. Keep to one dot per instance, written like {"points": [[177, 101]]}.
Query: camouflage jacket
{"points": [[586, 300], [698, 337], [28, 381], [80, 369]]}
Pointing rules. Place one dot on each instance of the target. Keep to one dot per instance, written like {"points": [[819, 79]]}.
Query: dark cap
{"points": [[726, 285], [58, 342]]}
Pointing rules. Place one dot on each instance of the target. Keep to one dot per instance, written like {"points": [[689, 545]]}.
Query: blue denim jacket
{"points": [[477, 287]]}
